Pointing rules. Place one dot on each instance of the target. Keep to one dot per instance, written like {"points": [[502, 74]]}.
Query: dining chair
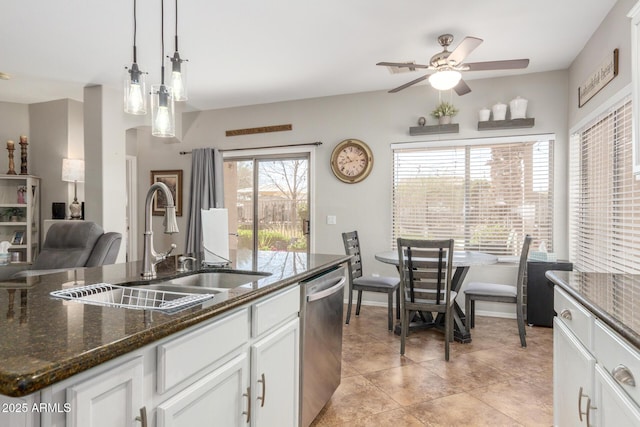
{"points": [[425, 283], [359, 282], [481, 291]]}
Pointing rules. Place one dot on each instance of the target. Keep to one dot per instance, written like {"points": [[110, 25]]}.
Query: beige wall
{"points": [[613, 33]]}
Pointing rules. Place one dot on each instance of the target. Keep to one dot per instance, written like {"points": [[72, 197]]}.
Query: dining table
{"points": [[462, 262]]}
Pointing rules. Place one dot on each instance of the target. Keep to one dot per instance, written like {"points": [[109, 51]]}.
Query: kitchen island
{"points": [[47, 342], [596, 348]]}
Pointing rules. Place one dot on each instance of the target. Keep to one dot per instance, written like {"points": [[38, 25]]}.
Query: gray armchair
{"points": [[72, 245]]}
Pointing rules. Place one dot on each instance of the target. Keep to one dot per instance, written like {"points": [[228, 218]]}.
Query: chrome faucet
{"points": [[150, 257]]}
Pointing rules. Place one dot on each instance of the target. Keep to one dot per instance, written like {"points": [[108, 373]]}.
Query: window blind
{"points": [[486, 196], [605, 195]]}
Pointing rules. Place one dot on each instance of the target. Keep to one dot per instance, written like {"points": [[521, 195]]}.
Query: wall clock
{"points": [[351, 161]]}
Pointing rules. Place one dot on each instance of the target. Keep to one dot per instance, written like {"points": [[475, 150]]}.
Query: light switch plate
{"points": [[331, 220]]}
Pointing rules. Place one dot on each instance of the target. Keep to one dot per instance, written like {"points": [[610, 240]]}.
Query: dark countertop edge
{"points": [[28, 383], [627, 333]]}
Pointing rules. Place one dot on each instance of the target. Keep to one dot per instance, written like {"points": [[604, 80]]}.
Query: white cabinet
{"points": [[275, 377], [572, 378], [615, 407], [221, 398], [20, 214], [594, 370], [113, 398], [19, 411]]}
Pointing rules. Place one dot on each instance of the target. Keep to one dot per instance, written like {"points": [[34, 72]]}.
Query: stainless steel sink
{"points": [[219, 279]]}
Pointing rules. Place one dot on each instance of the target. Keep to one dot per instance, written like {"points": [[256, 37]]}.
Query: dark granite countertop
{"points": [[44, 340], [613, 298]]}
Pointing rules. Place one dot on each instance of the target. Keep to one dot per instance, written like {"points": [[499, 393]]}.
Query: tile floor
{"points": [[489, 382]]}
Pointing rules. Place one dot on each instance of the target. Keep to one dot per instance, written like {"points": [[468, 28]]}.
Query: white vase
{"points": [[518, 108], [483, 115], [499, 111], [444, 120]]}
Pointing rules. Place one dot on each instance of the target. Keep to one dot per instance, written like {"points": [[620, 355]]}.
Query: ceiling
{"points": [[244, 52]]}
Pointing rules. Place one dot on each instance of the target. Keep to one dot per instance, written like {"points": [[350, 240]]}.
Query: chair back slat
{"points": [[426, 269], [352, 247], [522, 268]]}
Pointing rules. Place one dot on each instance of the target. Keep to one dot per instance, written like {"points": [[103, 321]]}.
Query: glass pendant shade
{"points": [[135, 100], [162, 112], [178, 77], [444, 80]]}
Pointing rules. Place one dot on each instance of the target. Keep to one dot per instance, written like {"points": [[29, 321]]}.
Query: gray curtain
{"points": [[207, 191]]}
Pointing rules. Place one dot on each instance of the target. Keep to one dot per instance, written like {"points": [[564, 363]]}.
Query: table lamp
{"points": [[73, 171]]}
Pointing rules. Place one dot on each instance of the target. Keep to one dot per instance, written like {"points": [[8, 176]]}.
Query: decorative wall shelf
{"points": [[434, 129], [506, 124]]}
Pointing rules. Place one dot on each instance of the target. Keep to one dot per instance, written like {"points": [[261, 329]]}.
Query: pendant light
{"points": [[162, 113], [178, 70], [135, 101]]}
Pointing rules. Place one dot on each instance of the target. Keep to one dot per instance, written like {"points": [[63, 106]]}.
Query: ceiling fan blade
{"points": [[402, 64], [510, 64], [411, 83], [461, 88], [465, 47]]}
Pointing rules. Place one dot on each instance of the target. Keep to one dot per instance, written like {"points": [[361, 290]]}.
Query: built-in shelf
{"points": [[506, 124], [434, 129]]}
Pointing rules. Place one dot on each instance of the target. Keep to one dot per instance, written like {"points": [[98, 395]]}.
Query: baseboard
{"points": [[483, 313]]}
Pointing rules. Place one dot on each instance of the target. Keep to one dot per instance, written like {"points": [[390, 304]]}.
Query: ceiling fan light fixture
{"points": [[445, 80]]}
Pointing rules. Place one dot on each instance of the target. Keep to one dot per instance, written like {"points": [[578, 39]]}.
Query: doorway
{"points": [[268, 199]]}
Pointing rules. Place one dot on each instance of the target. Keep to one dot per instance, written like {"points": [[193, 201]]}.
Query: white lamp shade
{"points": [[445, 80], [73, 170]]}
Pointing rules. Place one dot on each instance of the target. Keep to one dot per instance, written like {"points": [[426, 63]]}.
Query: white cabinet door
{"points": [[275, 377], [219, 399], [113, 398], [615, 408], [573, 368], [19, 411]]}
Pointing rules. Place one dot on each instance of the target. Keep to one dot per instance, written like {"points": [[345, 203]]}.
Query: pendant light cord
{"points": [[162, 37], [176, 38], [135, 30]]}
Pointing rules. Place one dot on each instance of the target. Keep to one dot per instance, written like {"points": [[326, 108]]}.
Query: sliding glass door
{"points": [[268, 203]]}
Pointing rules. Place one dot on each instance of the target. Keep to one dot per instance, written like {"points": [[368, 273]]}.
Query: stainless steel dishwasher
{"points": [[321, 340]]}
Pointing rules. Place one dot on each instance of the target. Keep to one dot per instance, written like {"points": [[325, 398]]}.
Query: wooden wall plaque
{"points": [[262, 129]]}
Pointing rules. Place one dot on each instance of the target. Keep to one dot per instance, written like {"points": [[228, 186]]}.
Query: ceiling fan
{"points": [[446, 66]]}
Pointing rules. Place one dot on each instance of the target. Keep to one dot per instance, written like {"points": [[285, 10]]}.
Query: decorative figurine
{"points": [[10, 149], [23, 155]]}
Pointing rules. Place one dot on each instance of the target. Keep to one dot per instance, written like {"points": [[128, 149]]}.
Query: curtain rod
{"points": [[317, 143]]}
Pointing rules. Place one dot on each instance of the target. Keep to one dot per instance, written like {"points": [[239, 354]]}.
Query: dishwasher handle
{"points": [[327, 292]]}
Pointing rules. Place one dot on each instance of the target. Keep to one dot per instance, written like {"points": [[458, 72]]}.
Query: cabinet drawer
{"points": [[274, 310], [182, 357], [574, 315], [618, 358]]}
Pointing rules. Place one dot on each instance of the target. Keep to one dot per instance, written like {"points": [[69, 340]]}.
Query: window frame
{"points": [[468, 144]]}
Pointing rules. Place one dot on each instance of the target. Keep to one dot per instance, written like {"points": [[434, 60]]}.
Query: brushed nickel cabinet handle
{"points": [[588, 408], [588, 411], [248, 411], [623, 375], [566, 314], [580, 394], [264, 389], [142, 417]]}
